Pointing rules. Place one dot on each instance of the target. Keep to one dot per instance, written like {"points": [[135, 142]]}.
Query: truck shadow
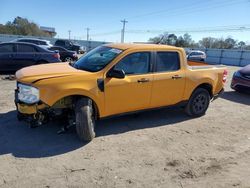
{"points": [[242, 98], [19, 140]]}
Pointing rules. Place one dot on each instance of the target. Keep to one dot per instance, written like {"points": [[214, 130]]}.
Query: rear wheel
{"points": [[68, 59], [85, 119], [198, 103]]}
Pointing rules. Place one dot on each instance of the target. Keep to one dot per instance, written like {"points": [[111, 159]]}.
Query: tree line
{"points": [[22, 26], [186, 41]]}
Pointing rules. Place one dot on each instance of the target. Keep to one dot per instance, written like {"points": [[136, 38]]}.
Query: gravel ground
{"points": [[162, 148]]}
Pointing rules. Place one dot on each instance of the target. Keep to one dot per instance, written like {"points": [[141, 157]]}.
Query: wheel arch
{"points": [[206, 86], [75, 97]]}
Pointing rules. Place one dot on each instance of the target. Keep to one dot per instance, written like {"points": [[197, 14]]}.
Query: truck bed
{"points": [[202, 65]]}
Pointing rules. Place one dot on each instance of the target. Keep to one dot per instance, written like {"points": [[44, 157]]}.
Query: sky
{"points": [[146, 18]]}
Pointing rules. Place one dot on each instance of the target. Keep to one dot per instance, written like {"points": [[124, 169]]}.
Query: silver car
{"points": [[197, 55], [42, 43]]}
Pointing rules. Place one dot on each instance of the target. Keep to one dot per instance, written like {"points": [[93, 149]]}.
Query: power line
{"points": [[229, 28], [191, 9], [235, 28], [107, 33], [188, 9], [200, 5]]}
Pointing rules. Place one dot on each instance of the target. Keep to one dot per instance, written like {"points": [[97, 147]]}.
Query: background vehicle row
{"points": [[16, 55]]}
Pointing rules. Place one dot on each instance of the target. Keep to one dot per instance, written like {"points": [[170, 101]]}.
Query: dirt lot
{"points": [[162, 148]]}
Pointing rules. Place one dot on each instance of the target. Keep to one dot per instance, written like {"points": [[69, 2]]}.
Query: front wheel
{"points": [[198, 103], [85, 119]]}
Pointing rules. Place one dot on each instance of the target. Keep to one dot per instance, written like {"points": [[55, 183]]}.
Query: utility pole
{"points": [[123, 30], [87, 33], [69, 33]]}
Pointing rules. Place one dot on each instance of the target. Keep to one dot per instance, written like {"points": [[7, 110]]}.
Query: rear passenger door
{"points": [[26, 56], [7, 53], [168, 79]]}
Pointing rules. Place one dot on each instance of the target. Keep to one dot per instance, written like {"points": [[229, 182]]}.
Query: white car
{"points": [[42, 43], [197, 55]]}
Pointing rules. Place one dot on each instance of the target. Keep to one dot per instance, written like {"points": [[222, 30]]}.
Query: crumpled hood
{"points": [[245, 70], [39, 72]]}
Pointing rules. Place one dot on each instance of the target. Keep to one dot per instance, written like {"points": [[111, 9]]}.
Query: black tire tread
{"points": [[188, 108], [84, 121]]}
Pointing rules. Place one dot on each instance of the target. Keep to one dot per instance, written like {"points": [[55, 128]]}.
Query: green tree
{"points": [[172, 39], [22, 26]]}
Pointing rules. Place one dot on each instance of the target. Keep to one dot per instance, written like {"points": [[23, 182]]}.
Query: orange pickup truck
{"points": [[115, 79]]}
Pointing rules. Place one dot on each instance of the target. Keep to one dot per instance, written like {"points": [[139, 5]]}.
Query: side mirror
{"points": [[113, 73]]}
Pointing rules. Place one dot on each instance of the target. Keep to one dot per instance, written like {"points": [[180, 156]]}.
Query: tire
{"points": [[68, 59], [198, 103], [85, 120]]}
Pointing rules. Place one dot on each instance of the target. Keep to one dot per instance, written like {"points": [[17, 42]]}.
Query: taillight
{"points": [[225, 73], [56, 55]]}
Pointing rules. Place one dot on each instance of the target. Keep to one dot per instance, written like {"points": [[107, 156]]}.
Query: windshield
{"points": [[97, 59]]}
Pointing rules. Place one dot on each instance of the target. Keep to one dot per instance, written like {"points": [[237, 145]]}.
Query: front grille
{"points": [[246, 76]]}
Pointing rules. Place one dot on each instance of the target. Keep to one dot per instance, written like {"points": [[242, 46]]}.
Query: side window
{"points": [[42, 43], [60, 43], [136, 63], [6, 48], [167, 61], [25, 48], [67, 43]]}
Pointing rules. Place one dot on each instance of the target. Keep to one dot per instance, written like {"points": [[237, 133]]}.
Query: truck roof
{"points": [[125, 46]]}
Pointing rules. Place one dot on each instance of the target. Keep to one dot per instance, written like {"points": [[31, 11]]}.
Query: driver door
{"points": [[133, 92]]}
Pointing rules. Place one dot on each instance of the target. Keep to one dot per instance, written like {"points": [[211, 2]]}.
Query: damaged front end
{"points": [[35, 112]]}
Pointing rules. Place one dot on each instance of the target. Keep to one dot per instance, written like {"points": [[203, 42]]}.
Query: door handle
{"points": [[143, 80], [176, 77]]}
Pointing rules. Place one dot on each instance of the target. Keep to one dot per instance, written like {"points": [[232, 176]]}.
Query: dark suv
{"points": [[69, 45]]}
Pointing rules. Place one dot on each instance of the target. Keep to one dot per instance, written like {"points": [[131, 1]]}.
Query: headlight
{"points": [[237, 74], [28, 94]]}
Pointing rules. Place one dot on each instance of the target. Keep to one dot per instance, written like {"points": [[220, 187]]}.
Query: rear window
{"points": [[29, 41], [42, 43], [25, 48], [167, 61]]}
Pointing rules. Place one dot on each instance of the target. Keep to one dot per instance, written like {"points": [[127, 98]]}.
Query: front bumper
{"points": [[28, 109], [240, 83]]}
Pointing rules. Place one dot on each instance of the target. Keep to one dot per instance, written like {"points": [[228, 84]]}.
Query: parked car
{"points": [[114, 79], [65, 55], [241, 80], [39, 42], [16, 55], [197, 55], [69, 45]]}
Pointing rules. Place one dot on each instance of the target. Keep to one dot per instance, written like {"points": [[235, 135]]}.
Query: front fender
{"points": [[51, 96]]}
